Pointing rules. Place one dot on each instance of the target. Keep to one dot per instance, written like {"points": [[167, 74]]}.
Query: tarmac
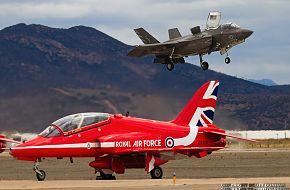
{"points": [[224, 167], [141, 184]]}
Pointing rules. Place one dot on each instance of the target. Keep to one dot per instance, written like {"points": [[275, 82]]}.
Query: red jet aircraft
{"points": [[117, 142]]}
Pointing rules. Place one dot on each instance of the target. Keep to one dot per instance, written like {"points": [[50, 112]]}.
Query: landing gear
{"points": [[170, 66], [104, 176], [156, 173], [203, 64], [170, 62], [40, 174], [227, 60]]}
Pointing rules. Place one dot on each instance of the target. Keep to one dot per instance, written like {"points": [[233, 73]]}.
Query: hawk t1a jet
{"points": [[116, 142], [215, 37]]}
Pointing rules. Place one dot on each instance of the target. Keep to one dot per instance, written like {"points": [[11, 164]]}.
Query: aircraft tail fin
{"points": [[174, 33], [199, 111], [145, 36]]}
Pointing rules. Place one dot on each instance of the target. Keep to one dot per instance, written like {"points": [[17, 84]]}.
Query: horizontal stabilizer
{"points": [[145, 36], [138, 51], [174, 33], [228, 135]]}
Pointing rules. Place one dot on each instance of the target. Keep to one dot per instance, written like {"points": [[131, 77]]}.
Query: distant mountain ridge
{"points": [[266, 82], [47, 73]]}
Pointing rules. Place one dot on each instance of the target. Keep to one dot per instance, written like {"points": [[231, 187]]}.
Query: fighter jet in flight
{"points": [[215, 37]]}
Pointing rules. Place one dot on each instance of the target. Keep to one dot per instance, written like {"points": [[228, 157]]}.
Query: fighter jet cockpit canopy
{"points": [[73, 122], [213, 20], [230, 26]]}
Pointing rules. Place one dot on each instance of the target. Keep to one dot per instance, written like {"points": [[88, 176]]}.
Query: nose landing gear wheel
{"points": [[227, 60], [170, 66], [156, 173], [204, 65], [40, 175]]}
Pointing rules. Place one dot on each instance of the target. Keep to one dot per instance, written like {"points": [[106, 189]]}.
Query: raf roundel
{"points": [[169, 142], [88, 146]]}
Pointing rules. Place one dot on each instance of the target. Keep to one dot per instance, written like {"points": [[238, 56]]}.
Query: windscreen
{"points": [[50, 131], [80, 120], [69, 123]]}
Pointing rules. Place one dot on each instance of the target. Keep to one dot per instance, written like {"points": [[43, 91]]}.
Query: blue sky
{"points": [[264, 55]]}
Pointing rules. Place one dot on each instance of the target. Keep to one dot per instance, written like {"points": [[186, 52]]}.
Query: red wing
{"points": [[9, 140], [159, 150], [228, 135]]}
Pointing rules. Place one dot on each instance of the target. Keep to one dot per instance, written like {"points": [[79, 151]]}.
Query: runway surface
{"points": [[144, 184], [247, 166]]}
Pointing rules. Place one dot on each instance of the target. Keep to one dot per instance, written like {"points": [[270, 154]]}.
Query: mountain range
{"points": [[266, 82], [47, 73]]}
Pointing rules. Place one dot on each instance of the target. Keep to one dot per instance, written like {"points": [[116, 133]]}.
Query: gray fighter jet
{"points": [[215, 37]]}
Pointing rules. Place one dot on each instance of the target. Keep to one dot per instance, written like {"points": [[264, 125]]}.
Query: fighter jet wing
{"points": [[166, 47], [142, 50]]}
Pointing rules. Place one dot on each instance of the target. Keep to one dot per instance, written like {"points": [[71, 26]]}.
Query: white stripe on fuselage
{"points": [[76, 145], [107, 144]]}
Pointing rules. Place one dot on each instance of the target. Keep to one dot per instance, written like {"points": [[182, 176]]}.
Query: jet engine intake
{"points": [[115, 164]]}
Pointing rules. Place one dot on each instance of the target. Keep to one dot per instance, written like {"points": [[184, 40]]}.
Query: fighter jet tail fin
{"points": [[174, 33], [145, 36], [201, 108]]}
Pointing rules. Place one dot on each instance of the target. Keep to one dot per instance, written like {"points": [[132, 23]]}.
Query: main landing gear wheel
{"points": [[156, 173], [170, 66], [40, 175], [104, 176], [204, 65], [227, 60]]}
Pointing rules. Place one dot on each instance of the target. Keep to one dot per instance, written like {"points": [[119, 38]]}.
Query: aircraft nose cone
{"points": [[247, 33], [12, 152]]}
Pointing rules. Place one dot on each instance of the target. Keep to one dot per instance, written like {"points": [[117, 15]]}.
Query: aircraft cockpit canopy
{"points": [[213, 20], [230, 26], [73, 122]]}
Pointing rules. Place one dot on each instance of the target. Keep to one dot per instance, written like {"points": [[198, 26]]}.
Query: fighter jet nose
{"points": [[12, 152], [247, 33]]}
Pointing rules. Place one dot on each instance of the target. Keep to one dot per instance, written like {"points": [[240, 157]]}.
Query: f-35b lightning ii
{"points": [[215, 37]]}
